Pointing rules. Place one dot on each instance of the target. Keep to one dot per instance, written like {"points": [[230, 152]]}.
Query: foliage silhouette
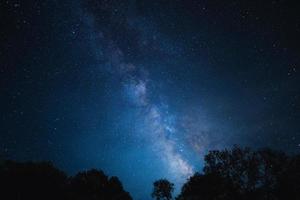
{"points": [[35, 181], [230, 174], [31, 181], [162, 189], [243, 174], [207, 187]]}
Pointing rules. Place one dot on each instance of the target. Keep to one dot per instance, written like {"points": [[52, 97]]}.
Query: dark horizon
{"points": [[230, 174], [125, 85]]}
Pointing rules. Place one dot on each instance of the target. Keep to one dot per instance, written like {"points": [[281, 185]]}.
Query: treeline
{"points": [[240, 174], [42, 181], [234, 174]]}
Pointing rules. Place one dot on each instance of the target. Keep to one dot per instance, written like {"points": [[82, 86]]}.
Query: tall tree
{"points": [[162, 190]]}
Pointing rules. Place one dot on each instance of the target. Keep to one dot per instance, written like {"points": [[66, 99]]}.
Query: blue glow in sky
{"points": [[144, 89]]}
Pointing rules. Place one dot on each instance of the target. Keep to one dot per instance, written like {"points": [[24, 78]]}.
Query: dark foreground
{"points": [[236, 174]]}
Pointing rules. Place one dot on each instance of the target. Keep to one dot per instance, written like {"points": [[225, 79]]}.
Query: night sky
{"points": [[144, 89]]}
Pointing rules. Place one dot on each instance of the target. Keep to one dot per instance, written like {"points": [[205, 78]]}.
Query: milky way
{"points": [[158, 127], [144, 89]]}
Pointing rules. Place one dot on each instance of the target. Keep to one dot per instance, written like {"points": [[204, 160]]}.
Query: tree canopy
{"points": [[230, 174], [240, 173], [41, 180], [162, 189]]}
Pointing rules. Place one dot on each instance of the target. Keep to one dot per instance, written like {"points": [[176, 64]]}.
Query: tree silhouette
{"points": [[211, 186], [88, 185], [94, 184], [289, 181], [35, 181], [31, 181], [162, 189], [240, 173], [230, 174], [116, 191]]}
